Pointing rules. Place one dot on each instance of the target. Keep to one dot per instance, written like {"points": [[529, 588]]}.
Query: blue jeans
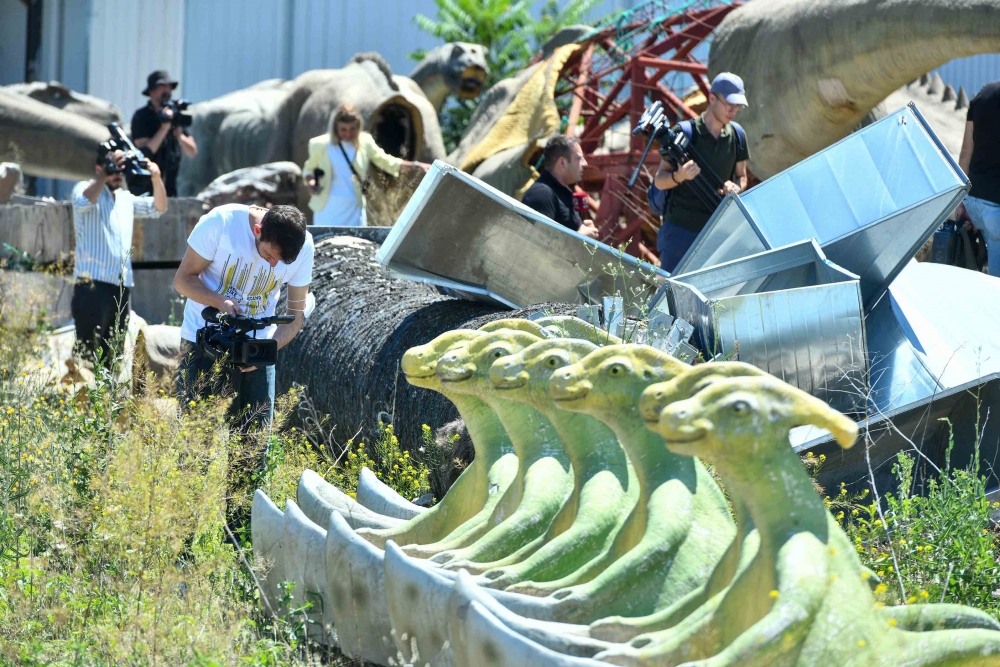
{"points": [[985, 216], [672, 242]]}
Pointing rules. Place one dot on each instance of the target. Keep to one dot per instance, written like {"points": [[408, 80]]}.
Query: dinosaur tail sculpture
{"points": [[814, 68], [47, 141]]}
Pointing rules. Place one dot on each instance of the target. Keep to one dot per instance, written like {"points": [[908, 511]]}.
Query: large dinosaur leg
{"points": [[547, 484], [357, 595], [318, 498], [604, 505], [502, 501], [377, 496]]}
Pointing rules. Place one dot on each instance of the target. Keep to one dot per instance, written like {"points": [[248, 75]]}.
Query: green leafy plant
{"points": [[936, 546], [507, 29]]}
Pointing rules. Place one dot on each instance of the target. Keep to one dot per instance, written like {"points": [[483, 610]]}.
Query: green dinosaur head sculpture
{"points": [[573, 327], [419, 362], [466, 368], [609, 380], [687, 384], [517, 324], [526, 374], [746, 416]]}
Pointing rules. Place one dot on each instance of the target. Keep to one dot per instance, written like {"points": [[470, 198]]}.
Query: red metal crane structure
{"points": [[627, 62]]}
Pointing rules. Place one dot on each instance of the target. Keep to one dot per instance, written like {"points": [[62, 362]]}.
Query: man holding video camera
{"points": [[721, 145], [103, 214], [159, 129], [237, 259]]}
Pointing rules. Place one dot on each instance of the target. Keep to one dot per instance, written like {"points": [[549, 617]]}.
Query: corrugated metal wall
{"points": [[972, 73], [231, 44], [13, 40], [128, 40]]}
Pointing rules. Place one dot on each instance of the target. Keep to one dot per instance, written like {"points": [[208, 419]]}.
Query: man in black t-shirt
{"points": [[552, 194], [154, 132], [718, 142], [980, 160]]}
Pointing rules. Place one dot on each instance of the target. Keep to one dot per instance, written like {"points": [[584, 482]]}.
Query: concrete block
{"points": [[35, 295], [154, 296], [44, 231]]}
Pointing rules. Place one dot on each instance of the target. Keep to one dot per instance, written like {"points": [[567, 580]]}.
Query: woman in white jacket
{"points": [[337, 167]]}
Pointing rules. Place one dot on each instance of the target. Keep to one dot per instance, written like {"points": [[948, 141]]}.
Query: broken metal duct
{"points": [[460, 233], [788, 311], [933, 355], [870, 200], [930, 333]]}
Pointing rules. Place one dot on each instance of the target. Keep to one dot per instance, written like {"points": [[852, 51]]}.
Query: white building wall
{"points": [[128, 40]]}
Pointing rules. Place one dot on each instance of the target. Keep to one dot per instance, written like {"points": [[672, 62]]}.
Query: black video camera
{"points": [[229, 336], [134, 158], [675, 147], [179, 119]]}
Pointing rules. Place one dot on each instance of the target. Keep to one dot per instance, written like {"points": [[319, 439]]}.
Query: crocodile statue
{"points": [[815, 68]]}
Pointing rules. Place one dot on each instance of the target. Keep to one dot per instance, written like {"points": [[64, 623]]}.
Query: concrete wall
{"points": [[46, 233]]}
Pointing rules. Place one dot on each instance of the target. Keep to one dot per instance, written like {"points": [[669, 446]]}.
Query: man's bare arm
{"points": [[295, 306], [668, 178], [965, 155], [188, 283]]}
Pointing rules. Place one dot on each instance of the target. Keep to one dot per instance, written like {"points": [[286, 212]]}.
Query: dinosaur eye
{"points": [[616, 369], [500, 353], [552, 361], [740, 407]]}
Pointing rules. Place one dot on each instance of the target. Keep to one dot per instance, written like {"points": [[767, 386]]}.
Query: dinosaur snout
{"points": [[679, 424], [566, 385], [454, 368], [652, 402], [508, 374], [417, 363]]}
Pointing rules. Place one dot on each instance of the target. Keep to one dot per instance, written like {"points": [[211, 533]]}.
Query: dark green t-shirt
{"points": [[685, 209]]}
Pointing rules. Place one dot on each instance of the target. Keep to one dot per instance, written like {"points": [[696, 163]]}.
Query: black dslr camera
{"points": [[229, 336], [134, 158], [179, 119], [675, 147]]}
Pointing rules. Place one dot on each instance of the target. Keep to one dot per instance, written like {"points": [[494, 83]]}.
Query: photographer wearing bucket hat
{"points": [[720, 142], [162, 140]]}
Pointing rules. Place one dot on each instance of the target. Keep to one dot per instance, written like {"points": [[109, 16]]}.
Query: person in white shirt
{"points": [[103, 214], [237, 259]]}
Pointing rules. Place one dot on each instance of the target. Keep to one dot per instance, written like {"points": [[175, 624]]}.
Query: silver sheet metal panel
{"points": [[870, 200], [790, 312], [460, 233], [935, 330]]}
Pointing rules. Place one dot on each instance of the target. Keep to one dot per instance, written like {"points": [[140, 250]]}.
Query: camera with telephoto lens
{"points": [[675, 147], [229, 336], [134, 158], [179, 119]]}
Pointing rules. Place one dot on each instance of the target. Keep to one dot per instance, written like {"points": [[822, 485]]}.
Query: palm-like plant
{"points": [[502, 26], [507, 29]]}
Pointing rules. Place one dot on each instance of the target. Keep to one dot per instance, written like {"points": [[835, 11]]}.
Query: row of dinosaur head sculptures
{"points": [[588, 531]]}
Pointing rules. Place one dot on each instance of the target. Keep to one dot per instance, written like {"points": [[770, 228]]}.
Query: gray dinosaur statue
{"points": [[456, 68], [815, 68]]}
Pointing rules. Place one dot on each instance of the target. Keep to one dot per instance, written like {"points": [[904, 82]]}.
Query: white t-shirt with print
{"points": [[237, 271]]}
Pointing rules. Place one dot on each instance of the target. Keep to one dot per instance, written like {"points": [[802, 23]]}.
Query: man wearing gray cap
{"points": [[721, 144]]}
